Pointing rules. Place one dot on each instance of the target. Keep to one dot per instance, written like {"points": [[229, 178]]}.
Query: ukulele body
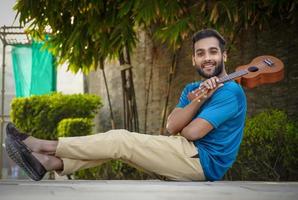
{"points": [[261, 72]]}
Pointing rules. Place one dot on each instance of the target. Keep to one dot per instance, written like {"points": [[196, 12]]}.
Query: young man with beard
{"points": [[206, 132]]}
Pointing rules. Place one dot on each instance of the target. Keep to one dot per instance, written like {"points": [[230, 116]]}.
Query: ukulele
{"points": [[261, 70]]}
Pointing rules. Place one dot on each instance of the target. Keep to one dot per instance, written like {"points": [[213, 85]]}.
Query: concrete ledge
{"points": [[145, 190]]}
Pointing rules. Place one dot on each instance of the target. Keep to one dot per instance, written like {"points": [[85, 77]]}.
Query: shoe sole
{"points": [[15, 155]]}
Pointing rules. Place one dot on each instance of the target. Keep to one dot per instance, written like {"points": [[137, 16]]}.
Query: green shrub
{"points": [[74, 127], [40, 115], [269, 149]]}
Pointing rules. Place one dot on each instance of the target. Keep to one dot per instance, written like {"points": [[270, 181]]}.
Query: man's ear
{"points": [[193, 60], [225, 56]]}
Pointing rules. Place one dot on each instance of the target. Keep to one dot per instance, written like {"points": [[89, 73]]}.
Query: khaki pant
{"points": [[171, 156]]}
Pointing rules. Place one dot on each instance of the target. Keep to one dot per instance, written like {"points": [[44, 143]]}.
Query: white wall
{"points": [[67, 82], [7, 14]]}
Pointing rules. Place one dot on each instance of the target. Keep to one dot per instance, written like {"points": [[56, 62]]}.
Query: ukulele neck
{"points": [[233, 76]]}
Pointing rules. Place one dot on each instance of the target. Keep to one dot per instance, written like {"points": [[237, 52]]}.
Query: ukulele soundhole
{"points": [[253, 69]]}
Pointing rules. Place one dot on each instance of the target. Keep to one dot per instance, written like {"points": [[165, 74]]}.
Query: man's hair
{"points": [[205, 33]]}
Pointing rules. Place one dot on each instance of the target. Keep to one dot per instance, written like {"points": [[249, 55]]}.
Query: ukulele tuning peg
{"points": [[268, 62]]}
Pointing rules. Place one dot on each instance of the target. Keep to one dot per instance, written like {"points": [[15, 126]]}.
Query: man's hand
{"points": [[206, 89]]}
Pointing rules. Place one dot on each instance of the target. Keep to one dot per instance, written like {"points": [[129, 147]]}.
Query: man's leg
{"points": [[168, 156]]}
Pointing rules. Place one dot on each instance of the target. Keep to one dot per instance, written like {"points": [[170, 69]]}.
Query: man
{"points": [[206, 131]]}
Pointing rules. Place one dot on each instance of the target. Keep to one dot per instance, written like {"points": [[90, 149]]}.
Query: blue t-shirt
{"points": [[225, 110]]}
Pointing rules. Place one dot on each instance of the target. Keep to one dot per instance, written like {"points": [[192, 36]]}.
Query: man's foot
{"points": [[23, 157], [49, 162], [32, 143], [14, 133]]}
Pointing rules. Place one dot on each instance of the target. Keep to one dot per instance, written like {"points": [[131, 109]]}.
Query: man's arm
{"points": [[196, 129], [181, 117]]}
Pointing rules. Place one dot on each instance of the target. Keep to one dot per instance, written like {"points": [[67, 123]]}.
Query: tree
{"points": [[84, 32]]}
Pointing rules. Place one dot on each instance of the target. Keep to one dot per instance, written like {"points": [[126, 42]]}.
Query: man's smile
{"points": [[208, 65]]}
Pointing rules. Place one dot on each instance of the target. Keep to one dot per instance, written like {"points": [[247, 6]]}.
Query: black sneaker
{"points": [[23, 157], [14, 133]]}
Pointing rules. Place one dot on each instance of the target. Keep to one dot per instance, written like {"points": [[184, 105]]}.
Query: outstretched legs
{"points": [[173, 157]]}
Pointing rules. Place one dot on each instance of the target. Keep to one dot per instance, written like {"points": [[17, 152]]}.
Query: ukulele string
{"points": [[260, 65]]}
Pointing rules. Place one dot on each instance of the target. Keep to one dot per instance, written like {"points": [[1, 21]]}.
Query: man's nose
{"points": [[207, 57]]}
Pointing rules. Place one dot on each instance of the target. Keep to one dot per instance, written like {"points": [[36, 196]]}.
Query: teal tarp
{"points": [[34, 70]]}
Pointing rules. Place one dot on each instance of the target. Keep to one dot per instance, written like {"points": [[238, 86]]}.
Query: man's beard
{"points": [[218, 69]]}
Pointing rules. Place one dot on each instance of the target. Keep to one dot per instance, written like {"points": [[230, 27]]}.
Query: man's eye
{"points": [[200, 54], [214, 52]]}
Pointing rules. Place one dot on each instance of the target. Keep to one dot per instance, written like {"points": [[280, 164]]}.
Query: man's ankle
{"points": [[33, 144]]}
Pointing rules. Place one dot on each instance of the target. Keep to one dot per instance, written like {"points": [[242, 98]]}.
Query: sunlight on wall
{"points": [[68, 82]]}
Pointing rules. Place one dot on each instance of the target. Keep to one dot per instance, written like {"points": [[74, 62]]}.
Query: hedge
{"points": [[74, 127], [269, 149], [40, 115]]}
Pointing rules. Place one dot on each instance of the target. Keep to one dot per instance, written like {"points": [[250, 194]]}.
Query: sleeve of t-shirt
{"points": [[183, 100], [220, 109]]}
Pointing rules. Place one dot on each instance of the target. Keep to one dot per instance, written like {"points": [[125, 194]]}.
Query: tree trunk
{"points": [[171, 75], [108, 94], [130, 113]]}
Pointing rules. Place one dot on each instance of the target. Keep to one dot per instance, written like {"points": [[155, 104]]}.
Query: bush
{"points": [[74, 127], [40, 115], [269, 149]]}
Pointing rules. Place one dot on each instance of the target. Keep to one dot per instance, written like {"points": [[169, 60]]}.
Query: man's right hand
{"points": [[206, 89]]}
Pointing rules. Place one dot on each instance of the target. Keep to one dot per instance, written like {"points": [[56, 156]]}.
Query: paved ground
{"points": [[144, 190]]}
